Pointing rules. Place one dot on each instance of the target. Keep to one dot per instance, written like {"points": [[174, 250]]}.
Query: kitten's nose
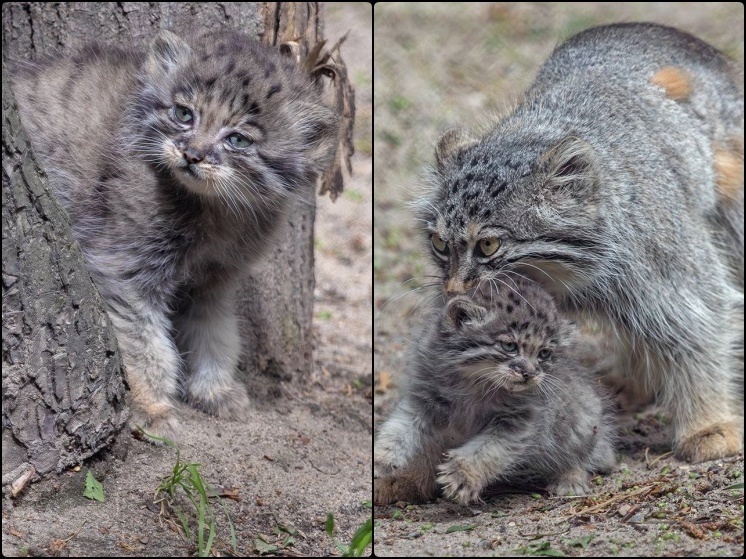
{"points": [[523, 369], [192, 155]]}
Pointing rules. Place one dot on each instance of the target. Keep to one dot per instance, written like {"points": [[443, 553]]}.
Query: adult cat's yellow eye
{"points": [[489, 246], [438, 243]]}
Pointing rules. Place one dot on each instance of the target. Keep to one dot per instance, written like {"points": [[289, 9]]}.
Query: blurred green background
{"points": [[437, 65]]}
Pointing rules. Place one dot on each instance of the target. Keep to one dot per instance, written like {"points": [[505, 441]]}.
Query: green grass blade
{"points": [[361, 539]]}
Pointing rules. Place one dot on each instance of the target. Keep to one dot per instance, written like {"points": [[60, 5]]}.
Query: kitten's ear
{"points": [[167, 51], [450, 144], [571, 168], [461, 312]]}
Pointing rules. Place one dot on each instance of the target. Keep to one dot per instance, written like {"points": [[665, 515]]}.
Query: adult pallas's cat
{"points": [[617, 183]]}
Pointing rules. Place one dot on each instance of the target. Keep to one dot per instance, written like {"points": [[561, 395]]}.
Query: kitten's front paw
{"points": [[162, 423], [572, 483], [460, 481], [716, 441], [227, 401]]}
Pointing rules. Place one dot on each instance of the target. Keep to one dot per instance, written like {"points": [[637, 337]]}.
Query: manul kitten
{"points": [[176, 166]]}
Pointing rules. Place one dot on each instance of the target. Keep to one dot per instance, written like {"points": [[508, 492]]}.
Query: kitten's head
{"points": [[227, 116], [512, 202], [506, 340]]}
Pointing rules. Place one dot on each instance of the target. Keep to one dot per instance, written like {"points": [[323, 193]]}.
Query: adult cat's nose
{"points": [[193, 155]]}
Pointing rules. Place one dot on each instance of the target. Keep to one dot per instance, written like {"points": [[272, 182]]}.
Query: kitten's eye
{"points": [[509, 347], [183, 114], [489, 246], [545, 354], [439, 244], [236, 140]]}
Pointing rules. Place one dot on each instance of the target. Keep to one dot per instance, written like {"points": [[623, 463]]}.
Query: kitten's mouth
{"points": [[193, 181], [189, 171]]}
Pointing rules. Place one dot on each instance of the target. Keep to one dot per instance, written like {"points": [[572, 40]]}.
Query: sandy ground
{"points": [[297, 459], [446, 64]]}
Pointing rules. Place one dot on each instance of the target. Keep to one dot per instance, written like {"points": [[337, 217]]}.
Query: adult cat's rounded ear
{"points": [[167, 51], [461, 312], [571, 168], [450, 144]]}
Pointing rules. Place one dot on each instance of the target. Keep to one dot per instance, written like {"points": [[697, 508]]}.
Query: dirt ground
{"points": [[298, 458], [446, 64]]}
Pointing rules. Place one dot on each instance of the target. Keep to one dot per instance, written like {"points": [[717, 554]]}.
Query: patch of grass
{"points": [[543, 549], [399, 103], [360, 540], [363, 78], [186, 479], [353, 195], [390, 138], [364, 146]]}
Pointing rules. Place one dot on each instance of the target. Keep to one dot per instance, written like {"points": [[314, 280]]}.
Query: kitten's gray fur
{"points": [[483, 389], [618, 183], [176, 166]]}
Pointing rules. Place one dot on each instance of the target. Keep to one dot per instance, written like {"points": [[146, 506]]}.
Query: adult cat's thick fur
{"points": [[176, 166], [618, 184]]}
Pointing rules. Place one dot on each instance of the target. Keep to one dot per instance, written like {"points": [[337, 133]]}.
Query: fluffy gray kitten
{"points": [[494, 387], [617, 183], [176, 166]]}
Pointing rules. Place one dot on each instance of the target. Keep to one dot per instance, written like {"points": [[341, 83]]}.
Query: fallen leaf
{"points": [[56, 546], [461, 528], [384, 382], [693, 530], [225, 492]]}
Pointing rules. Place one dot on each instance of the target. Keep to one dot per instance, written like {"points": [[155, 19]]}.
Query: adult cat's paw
{"points": [[460, 482], [713, 442]]}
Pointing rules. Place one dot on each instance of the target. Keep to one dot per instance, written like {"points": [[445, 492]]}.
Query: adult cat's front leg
{"points": [[206, 332]]}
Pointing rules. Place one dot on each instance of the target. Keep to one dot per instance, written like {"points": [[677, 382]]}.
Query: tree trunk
{"points": [[63, 395], [275, 301]]}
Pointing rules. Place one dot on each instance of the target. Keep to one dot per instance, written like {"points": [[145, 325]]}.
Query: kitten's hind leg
{"points": [[414, 483], [572, 483], [206, 332]]}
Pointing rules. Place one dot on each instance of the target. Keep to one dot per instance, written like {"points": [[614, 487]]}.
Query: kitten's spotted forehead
{"points": [[522, 305], [235, 80]]}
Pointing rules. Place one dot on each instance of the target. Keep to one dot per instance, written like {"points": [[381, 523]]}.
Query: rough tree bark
{"points": [[63, 395], [276, 299]]}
